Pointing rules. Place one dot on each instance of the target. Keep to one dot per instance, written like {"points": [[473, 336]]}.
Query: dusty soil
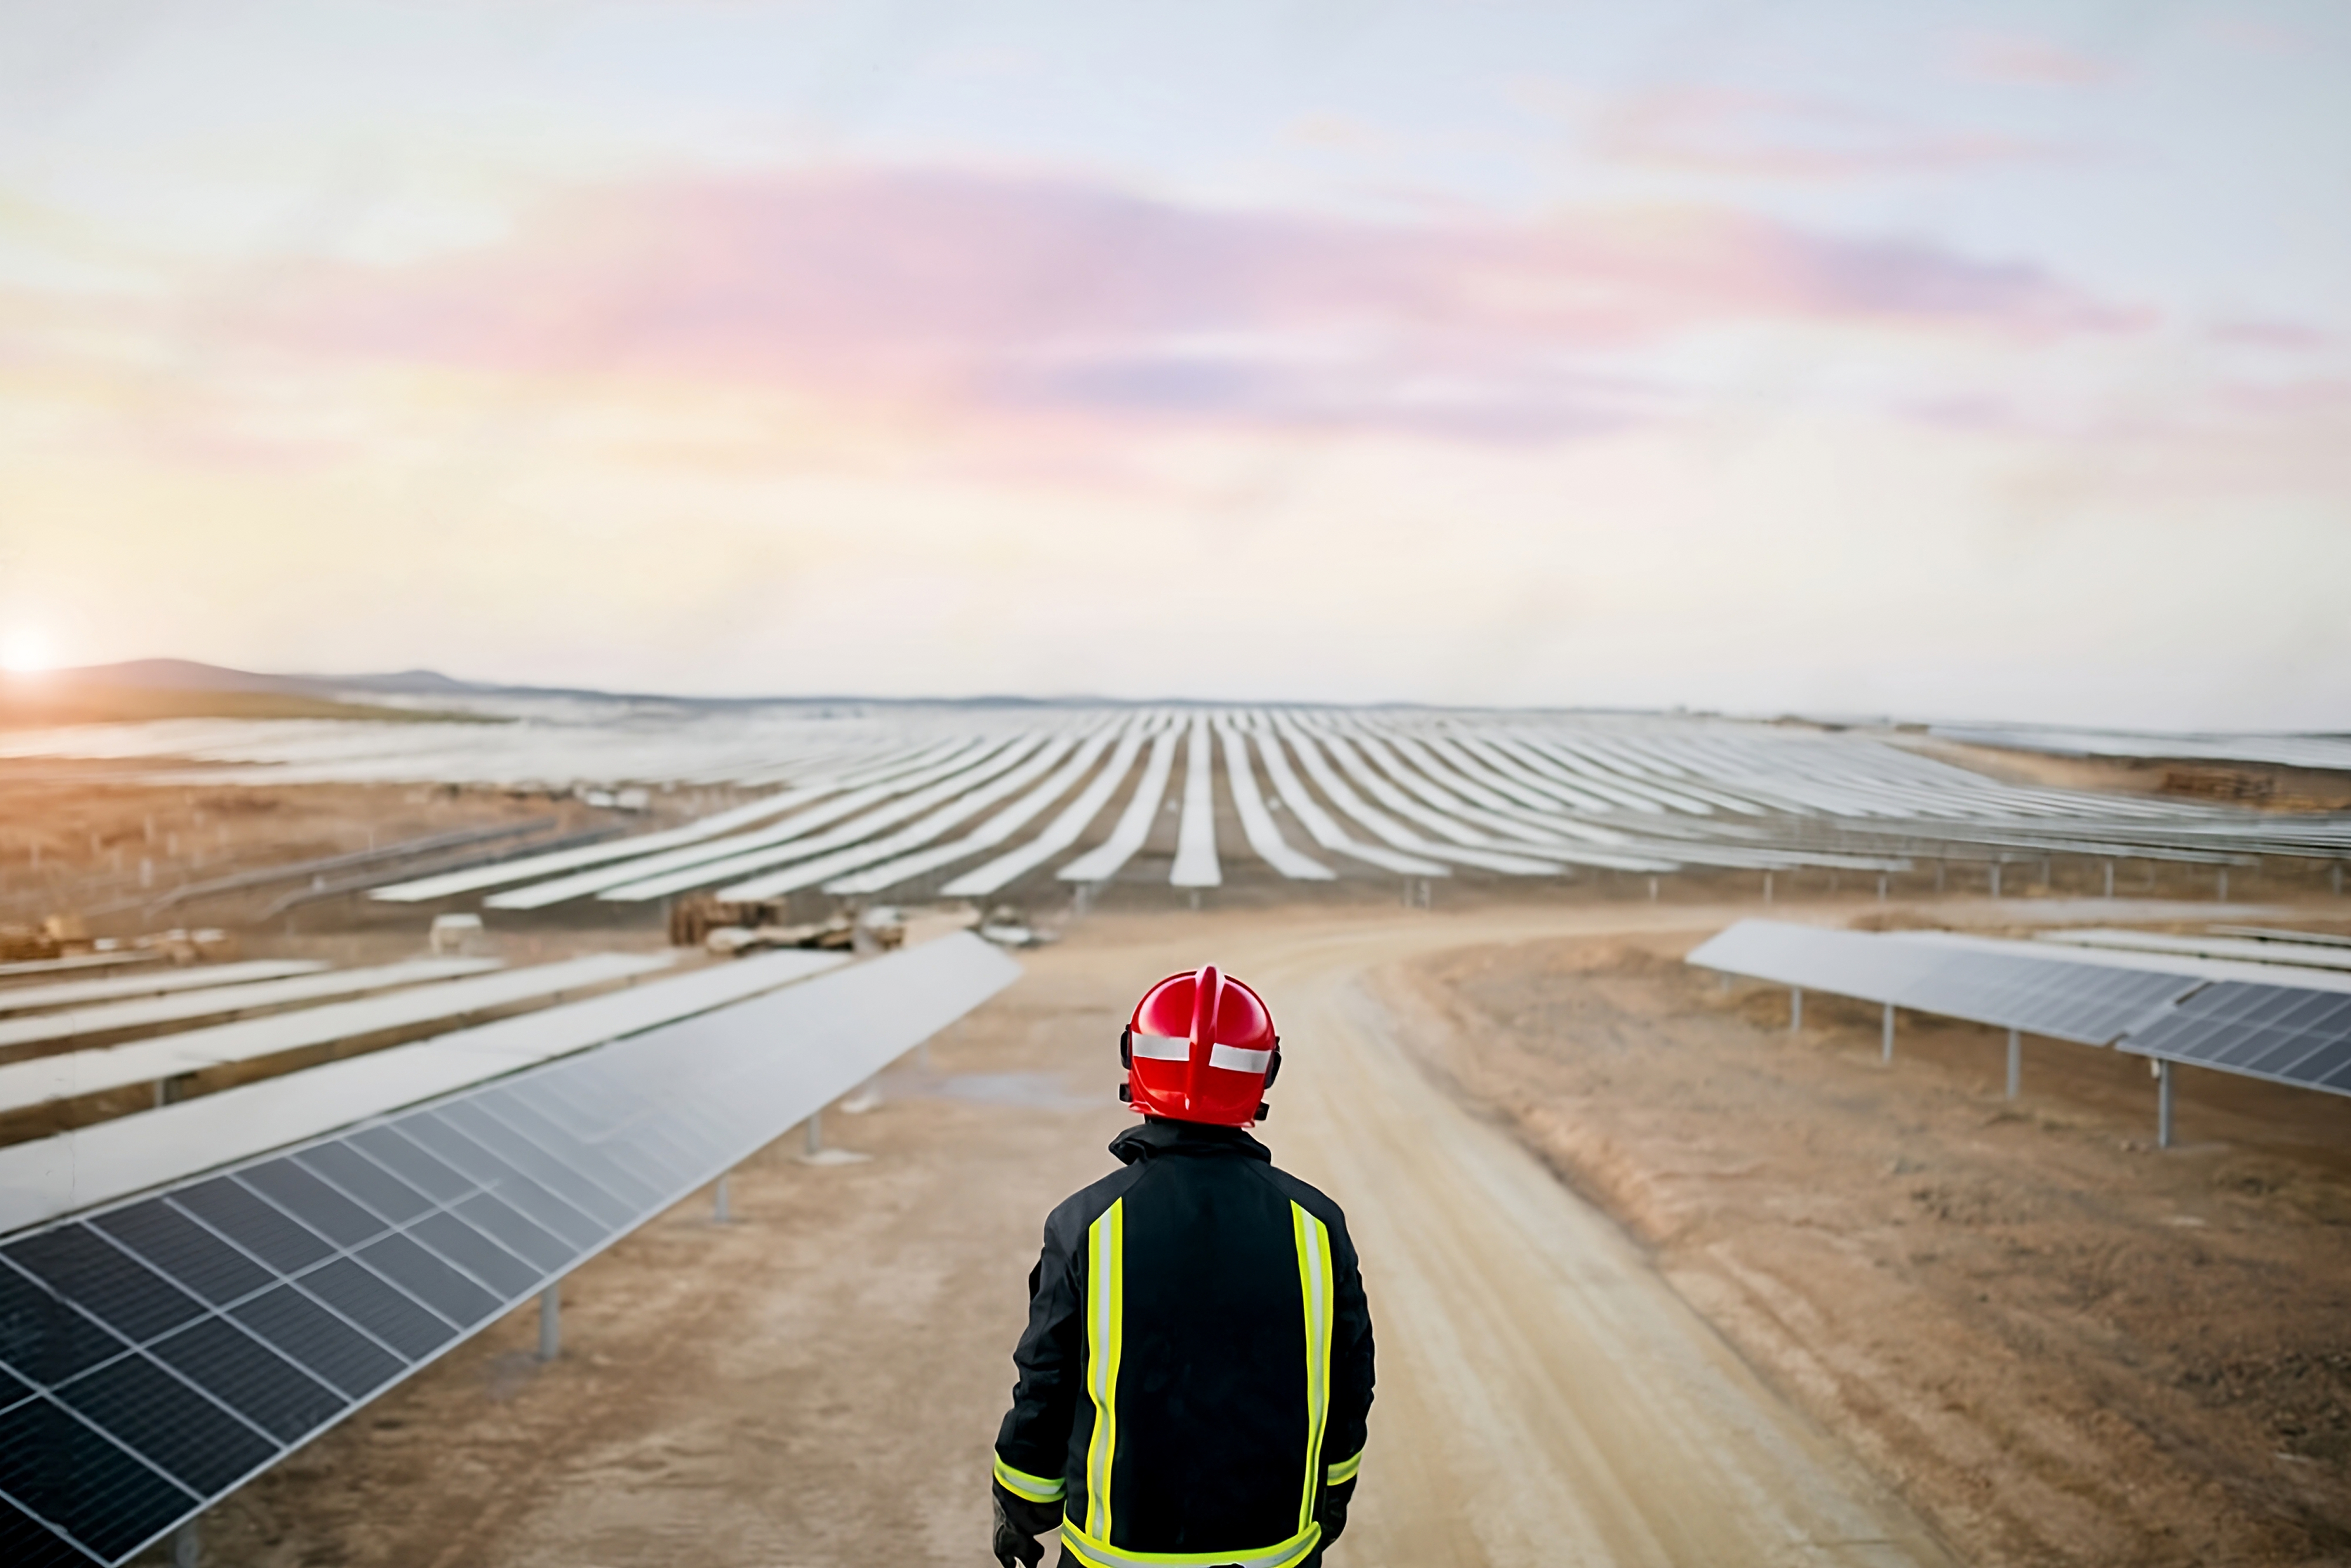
{"points": [[816, 1383], [819, 1383], [2265, 786], [2053, 1343], [74, 837], [2062, 1344], [28, 703]]}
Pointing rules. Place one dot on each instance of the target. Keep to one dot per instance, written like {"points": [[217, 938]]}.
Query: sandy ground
{"points": [[819, 1382], [2063, 1345], [1784, 1307], [74, 835]]}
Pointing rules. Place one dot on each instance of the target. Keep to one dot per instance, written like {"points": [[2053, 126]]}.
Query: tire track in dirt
{"points": [[1545, 1397]]}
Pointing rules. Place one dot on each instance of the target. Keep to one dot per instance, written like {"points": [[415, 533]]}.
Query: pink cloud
{"points": [[2021, 60], [1722, 130], [1058, 297], [2287, 336]]}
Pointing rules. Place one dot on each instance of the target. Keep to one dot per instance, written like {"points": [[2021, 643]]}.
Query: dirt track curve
{"points": [[1544, 1398], [819, 1382]]}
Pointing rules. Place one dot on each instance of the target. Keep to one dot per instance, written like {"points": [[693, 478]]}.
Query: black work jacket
{"points": [[1197, 1365]]}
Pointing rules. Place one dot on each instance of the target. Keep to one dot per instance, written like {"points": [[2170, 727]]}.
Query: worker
{"points": [[1198, 1366]]}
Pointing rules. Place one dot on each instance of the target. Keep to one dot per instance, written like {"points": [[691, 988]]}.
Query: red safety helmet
{"points": [[1200, 1048]]}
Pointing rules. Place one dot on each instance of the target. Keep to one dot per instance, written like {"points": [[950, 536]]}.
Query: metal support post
{"points": [[2015, 1062], [1885, 1051], [2110, 879], [720, 1211], [2337, 879], [1795, 1008], [1995, 879], [1653, 890], [1881, 887], [551, 1322], [188, 1546], [816, 1132], [2220, 886], [1767, 887], [2162, 1103]]}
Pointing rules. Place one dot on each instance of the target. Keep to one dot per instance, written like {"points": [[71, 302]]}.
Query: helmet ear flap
{"points": [[1273, 1067], [1126, 1048]]}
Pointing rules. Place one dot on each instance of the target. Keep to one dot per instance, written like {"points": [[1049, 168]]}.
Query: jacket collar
{"points": [[1156, 1136]]}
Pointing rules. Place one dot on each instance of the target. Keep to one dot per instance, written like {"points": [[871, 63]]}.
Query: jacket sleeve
{"points": [[1032, 1445], [1351, 1365]]}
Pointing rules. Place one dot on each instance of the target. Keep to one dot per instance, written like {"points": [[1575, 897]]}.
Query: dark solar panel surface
{"points": [[154, 1356], [2090, 1003], [2286, 1034]]}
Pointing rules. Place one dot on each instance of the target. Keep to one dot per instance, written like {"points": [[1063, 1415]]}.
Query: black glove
{"points": [[1018, 1523], [1332, 1515]]}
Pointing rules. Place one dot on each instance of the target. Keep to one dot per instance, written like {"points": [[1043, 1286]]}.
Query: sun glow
{"points": [[26, 651]]}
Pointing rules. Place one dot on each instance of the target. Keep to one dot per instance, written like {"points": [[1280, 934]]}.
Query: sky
{"points": [[1981, 361]]}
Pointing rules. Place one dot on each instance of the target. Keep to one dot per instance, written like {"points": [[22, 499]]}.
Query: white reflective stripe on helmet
{"points": [[1234, 1058], [1160, 1046]]}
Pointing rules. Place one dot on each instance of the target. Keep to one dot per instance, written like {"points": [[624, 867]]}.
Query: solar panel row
{"points": [[94, 1071], [154, 983], [68, 1172], [1496, 792], [2283, 1033], [155, 1356], [128, 1018], [2089, 1003], [2299, 1035]]}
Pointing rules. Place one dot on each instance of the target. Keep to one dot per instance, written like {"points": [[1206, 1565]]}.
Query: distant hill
{"points": [[144, 689], [406, 682], [183, 676], [188, 676]]}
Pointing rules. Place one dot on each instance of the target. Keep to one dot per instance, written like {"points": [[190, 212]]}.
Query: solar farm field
{"points": [[569, 1235]]}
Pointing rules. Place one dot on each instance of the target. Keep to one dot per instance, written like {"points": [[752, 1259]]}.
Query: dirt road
{"points": [[819, 1383], [1544, 1398]]}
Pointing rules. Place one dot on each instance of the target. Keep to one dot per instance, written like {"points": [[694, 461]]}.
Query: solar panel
{"points": [[1064, 829], [44, 1178], [41, 968], [219, 1002], [96, 1068], [1134, 826], [2081, 1002], [2273, 933], [156, 983], [2090, 1003], [1257, 822], [2247, 949], [988, 835], [156, 1355], [2287, 1034]]}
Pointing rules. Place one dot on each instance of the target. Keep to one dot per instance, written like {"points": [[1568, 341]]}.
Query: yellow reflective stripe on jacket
{"points": [[1036, 1489], [1105, 1329], [1313, 1238], [1344, 1470], [1095, 1553]]}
